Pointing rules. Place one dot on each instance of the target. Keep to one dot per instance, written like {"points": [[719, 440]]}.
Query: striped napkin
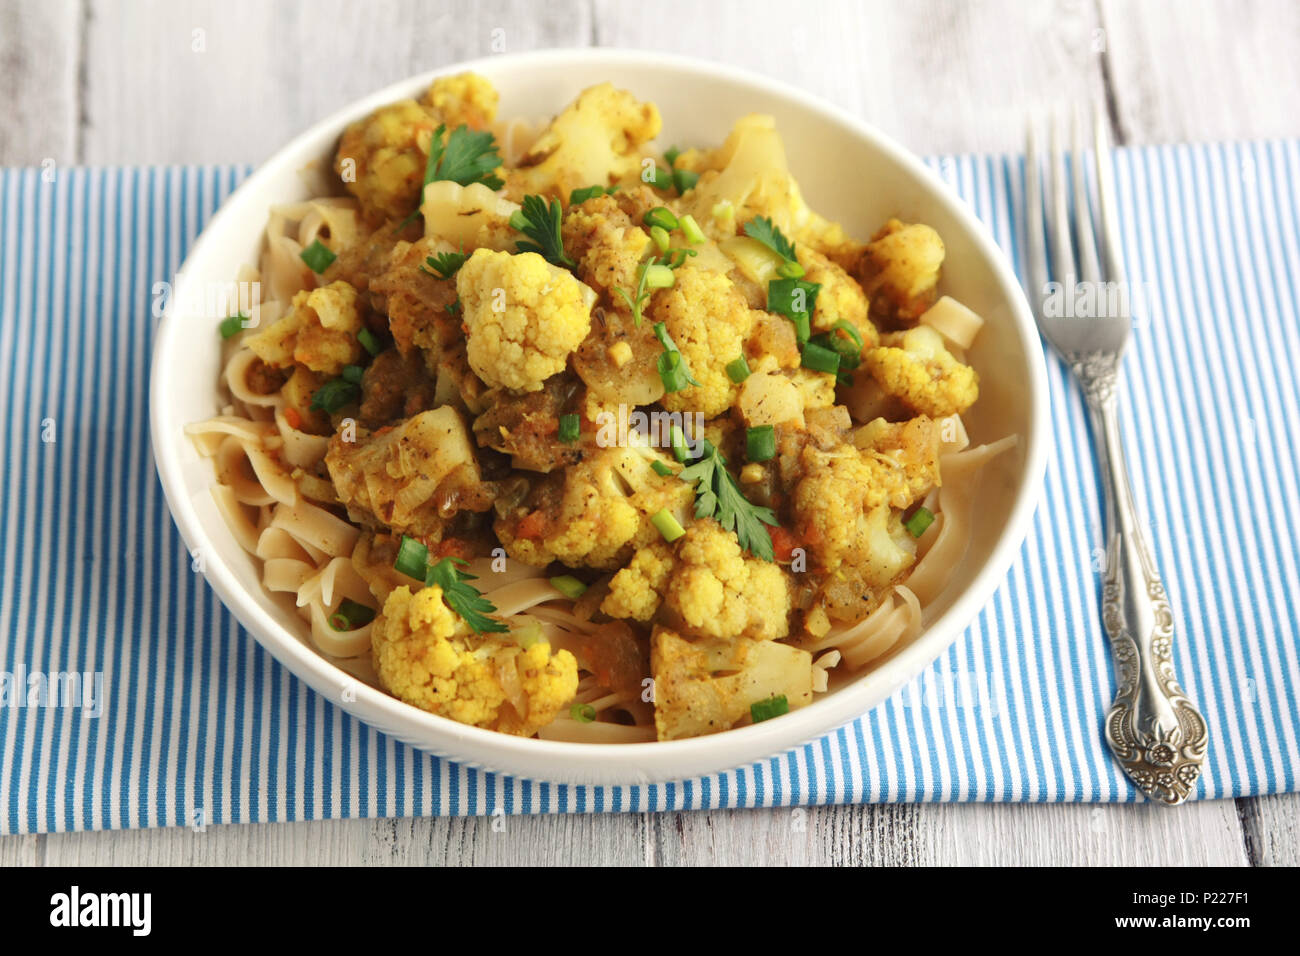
{"points": [[129, 697]]}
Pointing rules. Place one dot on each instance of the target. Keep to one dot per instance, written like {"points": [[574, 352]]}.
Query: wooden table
{"points": [[112, 82]]}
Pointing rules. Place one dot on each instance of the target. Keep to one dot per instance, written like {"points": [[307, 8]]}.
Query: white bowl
{"points": [[849, 172]]}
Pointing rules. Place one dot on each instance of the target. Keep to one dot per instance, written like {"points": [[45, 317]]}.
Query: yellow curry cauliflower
{"points": [[709, 321], [842, 503], [381, 158], [916, 368], [840, 297], [899, 270], [596, 513], [319, 332], [707, 686], [595, 141], [607, 245], [424, 655], [465, 98], [708, 587], [524, 316]]}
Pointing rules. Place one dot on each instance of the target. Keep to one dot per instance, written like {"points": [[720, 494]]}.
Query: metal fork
{"points": [[1156, 733]]}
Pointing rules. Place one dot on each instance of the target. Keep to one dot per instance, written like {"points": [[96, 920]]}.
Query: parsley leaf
{"points": [[463, 598], [541, 223], [765, 231], [467, 157], [445, 264], [718, 496]]}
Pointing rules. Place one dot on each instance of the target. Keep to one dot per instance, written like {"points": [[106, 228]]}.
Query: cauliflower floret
{"points": [[708, 588], [594, 141], [636, 591], [381, 158], [840, 297], [912, 445], [319, 332], [899, 270], [708, 686], [914, 367], [840, 500], [404, 477], [816, 389], [465, 98], [524, 317], [718, 591], [709, 322], [606, 244], [597, 513], [425, 656]]}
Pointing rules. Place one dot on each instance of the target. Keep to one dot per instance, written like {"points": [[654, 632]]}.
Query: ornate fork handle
{"points": [[1157, 734]]}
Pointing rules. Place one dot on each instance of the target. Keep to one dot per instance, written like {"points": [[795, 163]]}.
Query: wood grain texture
{"points": [[1272, 829], [1190, 70], [111, 81], [571, 840], [38, 82], [937, 76], [232, 80]]}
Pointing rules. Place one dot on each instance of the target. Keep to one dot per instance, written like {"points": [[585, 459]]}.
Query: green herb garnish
{"points": [[334, 395], [463, 598], [718, 496], [317, 256], [774, 706], [541, 224], [444, 265]]}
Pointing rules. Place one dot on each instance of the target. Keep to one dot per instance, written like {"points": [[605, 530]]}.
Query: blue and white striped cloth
{"points": [[195, 723]]}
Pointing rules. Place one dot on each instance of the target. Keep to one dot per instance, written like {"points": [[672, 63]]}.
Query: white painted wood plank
{"points": [[595, 840], [1272, 829], [21, 851], [220, 81], [1196, 834], [938, 76], [38, 83], [957, 834], [1188, 70]]}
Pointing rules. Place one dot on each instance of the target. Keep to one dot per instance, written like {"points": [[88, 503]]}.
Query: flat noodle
{"points": [[241, 360], [300, 449], [317, 528]]}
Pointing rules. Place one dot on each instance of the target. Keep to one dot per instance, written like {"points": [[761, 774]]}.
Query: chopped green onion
{"points": [[662, 469], [775, 706], [782, 296], [231, 325], [661, 216], [351, 616], [790, 270], [580, 196], [369, 341], [672, 371], [849, 329], [684, 179], [660, 236], [738, 369], [802, 326], [658, 277], [677, 441], [334, 395], [570, 426], [820, 359], [760, 443], [528, 634], [668, 526], [850, 354], [671, 154], [412, 559], [353, 374], [691, 229], [583, 713], [317, 256], [919, 520], [677, 256], [569, 586], [662, 179]]}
